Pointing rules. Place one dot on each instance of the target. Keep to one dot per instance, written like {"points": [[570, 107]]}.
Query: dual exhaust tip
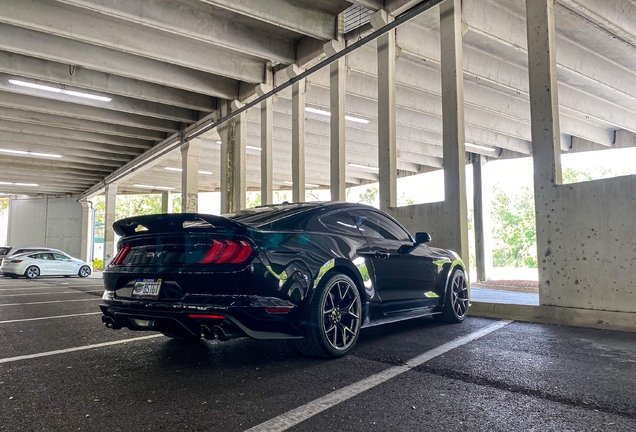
{"points": [[110, 322], [220, 332]]}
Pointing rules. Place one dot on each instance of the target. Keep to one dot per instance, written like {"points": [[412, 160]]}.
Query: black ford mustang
{"points": [[313, 272]]}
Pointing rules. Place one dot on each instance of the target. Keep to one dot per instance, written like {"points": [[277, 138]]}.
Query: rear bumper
{"points": [[252, 316]]}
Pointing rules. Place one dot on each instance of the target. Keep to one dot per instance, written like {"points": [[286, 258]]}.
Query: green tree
{"points": [[134, 205], [4, 205], [514, 232], [369, 196]]}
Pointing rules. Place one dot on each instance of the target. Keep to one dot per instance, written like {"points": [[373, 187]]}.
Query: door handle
{"points": [[382, 254]]}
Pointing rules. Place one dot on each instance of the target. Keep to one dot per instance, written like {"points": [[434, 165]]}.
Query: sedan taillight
{"points": [[121, 254], [16, 261], [227, 252]]}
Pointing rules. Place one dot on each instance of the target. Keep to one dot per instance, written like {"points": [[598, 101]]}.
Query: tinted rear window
{"points": [[4, 250], [261, 216]]}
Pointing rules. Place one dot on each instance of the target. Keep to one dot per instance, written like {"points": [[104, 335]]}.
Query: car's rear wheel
{"points": [[84, 271], [32, 272], [333, 319], [456, 304]]}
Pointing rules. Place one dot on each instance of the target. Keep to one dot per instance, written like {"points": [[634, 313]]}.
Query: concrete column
{"points": [[166, 202], [109, 234], [546, 148], [190, 176], [387, 144], [455, 208], [233, 181], [298, 135], [544, 105], [86, 242], [267, 126], [478, 210], [337, 71]]}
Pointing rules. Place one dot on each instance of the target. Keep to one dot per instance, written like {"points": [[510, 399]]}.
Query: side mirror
{"points": [[422, 237]]}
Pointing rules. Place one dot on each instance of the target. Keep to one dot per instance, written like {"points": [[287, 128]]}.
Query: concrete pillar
{"points": [[267, 156], [86, 239], [233, 181], [544, 114], [455, 208], [478, 211], [387, 144], [337, 71], [166, 202], [298, 135], [109, 218], [190, 176]]}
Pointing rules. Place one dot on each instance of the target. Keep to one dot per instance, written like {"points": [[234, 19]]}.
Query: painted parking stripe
{"points": [[51, 317], [50, 293], [302, 413], [48, 287], [46, 302], [82, 348]]}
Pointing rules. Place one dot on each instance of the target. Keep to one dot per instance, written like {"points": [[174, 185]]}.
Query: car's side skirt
{"points": [[402, 316]]}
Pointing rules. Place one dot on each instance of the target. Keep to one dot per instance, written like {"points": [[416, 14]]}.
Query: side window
{"points": [[20, 251], [340, 222], [36, 256], [60, 257], [376, 225], [48, 256]]}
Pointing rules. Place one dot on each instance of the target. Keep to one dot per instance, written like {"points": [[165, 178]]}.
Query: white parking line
{"points": [[51, 317], [48, 286], [68, 350], [51, 301], [302, 413], [50, 293]]}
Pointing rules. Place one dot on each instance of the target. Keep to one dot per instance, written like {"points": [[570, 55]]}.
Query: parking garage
{"points": [[215, 100]]}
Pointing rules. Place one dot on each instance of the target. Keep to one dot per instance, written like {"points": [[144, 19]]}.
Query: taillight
{"points": [[121, 254], [16, 261], [227, 252]]}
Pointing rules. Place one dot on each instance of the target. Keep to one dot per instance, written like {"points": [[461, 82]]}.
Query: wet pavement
{"points": [[518, 377]]}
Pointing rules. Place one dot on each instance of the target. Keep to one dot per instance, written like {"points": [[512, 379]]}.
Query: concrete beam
{"points": [[29, 67], [108, 32], [166, 202], [267, 151], [288, 15], [338, 73], [104, 131], [54, 165], [73, 52], [120, 145], [36, 172], [194, 20], [298, 135], [38, 105]]}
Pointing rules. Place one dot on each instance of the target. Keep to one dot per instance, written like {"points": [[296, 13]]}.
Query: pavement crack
{"points": [[515, 388]]}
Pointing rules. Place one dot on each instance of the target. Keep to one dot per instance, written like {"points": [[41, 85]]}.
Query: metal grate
{"points": [[355, 17]]}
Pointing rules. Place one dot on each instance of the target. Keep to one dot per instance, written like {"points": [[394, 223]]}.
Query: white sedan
{"points": [[34, 264]]}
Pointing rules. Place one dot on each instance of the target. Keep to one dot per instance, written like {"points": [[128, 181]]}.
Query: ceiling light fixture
{"points": [[18, 184], [153, 187], [219, 142], [180, 170], [480, 147], [30, 153], [364, 167], [59, 90], [253, 148], [309, 185], [328, 114]]}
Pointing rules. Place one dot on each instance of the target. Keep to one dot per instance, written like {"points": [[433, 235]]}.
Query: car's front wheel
{"points": [[84, 271], [32, 272], [333, 320], [456, 304]]}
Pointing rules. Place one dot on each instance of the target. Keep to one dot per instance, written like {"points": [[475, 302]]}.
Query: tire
{"points": [[456, 304], [84, 271], [180, 337], [332, 322], [32, 272]]}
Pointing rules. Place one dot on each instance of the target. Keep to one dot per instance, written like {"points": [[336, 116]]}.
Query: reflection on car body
{"points": [[313, 272]]}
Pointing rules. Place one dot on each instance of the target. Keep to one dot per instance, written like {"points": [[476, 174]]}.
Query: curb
{"points": [[605, 320]]}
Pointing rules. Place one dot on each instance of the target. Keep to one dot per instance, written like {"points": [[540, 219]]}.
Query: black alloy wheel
{"points": [[456, 304], [334, 318], [32, 272]]}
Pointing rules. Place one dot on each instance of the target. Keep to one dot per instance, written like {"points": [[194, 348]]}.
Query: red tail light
{"points": [[227, 252], [16, 261], [121, 254], [206, 316]]}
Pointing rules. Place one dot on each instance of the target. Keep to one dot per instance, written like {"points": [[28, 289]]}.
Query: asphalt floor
{"points": [[61, 370]]}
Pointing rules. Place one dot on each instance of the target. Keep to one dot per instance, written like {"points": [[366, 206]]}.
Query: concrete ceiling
{"points": [[166, 64]]}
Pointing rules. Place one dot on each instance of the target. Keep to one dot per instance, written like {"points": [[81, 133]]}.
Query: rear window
{"points": [[260, 216], [4, 250]]}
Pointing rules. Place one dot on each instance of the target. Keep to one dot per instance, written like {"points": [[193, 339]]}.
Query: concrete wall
{"points": [[50, 222], [587, 256]]}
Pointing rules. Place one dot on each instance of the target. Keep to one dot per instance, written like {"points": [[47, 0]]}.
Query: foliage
{"points": [[514, 232], [98, 264], [253, 199], [134, 205], [369, 196], [4, 204]]}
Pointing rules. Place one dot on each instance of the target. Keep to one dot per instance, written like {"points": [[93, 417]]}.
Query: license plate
{"points": [[147, 288]]}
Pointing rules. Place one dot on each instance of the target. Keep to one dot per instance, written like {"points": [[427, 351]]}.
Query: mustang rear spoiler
{"points": [[165, 223]]}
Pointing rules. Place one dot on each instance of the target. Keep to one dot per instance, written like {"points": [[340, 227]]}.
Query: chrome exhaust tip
{"points": [[206, 333]]}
